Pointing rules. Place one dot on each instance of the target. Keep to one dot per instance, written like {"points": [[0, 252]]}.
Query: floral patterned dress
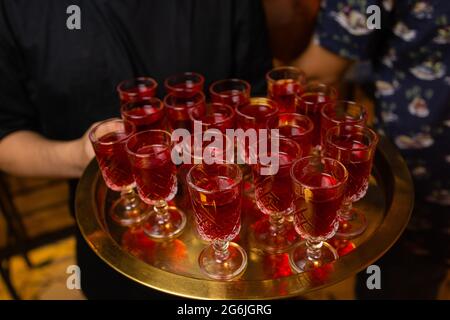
{"points": [[410, 57]]}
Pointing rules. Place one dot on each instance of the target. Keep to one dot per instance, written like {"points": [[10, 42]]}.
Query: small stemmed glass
{"points": [[274, 195], [216, 195], [150, 154], [108, 139], [355, 147], [233, 92], [319, 185], [283, 85]]}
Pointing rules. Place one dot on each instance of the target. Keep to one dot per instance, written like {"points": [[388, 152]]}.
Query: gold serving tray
{"points": [[172, 266]]}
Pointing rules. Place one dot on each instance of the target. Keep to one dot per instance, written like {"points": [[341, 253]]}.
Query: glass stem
{"points": [[276, 220], [221, 252], [313, 249], [162, 211], [345, 213], [131, 201]]}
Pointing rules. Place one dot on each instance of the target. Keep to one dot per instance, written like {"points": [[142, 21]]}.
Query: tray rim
{"points": [[380, 242]]}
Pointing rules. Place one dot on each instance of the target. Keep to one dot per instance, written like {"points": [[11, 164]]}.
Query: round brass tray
{"points": [[172, 267]]}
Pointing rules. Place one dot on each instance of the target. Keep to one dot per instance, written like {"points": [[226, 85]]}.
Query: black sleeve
{"points": [[16, 110], [253, 57]]}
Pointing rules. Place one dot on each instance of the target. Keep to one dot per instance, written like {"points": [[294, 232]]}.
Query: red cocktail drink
{"points": [[274, 195], [177, 109], [298, 128], [216, 194], [218, 215], [259, 113], [184, 85], [283, 85], [233, 92], [214, 116], [136, 89], [341, 112], [146, 113], [155, 174], [316, 212], [311, 102], [111, 155], [355, 147], [203, 152], [319, 185], [109, 139]]}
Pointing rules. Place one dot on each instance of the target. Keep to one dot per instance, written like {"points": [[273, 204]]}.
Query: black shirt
{"points": [[58, 81]]}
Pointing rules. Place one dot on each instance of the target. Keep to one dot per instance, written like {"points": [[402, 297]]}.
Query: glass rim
{"points": [[373, 137], [228, 146], [328, 117], [210, 104], [298, 115], [145, 132], [125, 110], [237, 181], [153, 82], [178, 108], [297, 146], [305, 92], [183, 74], [299, 72], [339, 184], [96, 140], [232, 80], [254, 101]]}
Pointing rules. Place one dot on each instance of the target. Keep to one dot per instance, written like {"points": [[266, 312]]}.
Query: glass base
{"points": [[123, 215], [352, 228], [299, 261], [172, 227], [228, 269], [269, 242]]}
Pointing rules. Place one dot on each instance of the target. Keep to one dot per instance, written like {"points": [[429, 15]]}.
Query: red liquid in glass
{"points": [[261, 114], [113, 161], [185, 90], [137, 93], [328, 124], [217, 120], [273, 193], [180, 124], [299, 135], [357, 163], [232, 98], [183, 198], [284, 92], [179, 115], [145, 118], [311, 104], [155, 173], [316, 211], [218, 215], [213, 118]]}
